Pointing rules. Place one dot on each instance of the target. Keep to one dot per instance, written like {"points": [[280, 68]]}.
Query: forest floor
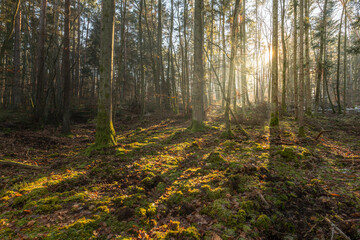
{"points": [[163, 181]]}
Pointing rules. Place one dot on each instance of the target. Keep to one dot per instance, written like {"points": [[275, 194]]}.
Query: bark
{"points": [[232, 63], [274, 120], [307, 58], [40, 65], [142, 77], [345, 56], [295, 67], [338, 65], [283, 96], [11, 32], [198, 82], [320, 70], [16, 85], [66, 74], [105, 133], [301, 74]]}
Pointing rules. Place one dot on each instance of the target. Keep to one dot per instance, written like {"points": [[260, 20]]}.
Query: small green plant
{"points": [[263, 222]]}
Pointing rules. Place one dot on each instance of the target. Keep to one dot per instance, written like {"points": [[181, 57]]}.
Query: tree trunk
{"points": [[198, 82], [274, 120], [283, 96], [338, 65], [295, 67], [232, 63], [142, 77], [66, 75], [301, 75], [40, 71], [320, 70], [307, 58], [16, 85], [345, 56], [105, 133]]}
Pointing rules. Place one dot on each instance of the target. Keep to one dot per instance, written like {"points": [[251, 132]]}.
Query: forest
{"points": [[180, 119]]}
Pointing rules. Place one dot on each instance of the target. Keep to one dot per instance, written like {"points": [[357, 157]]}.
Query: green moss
{"points": [[82, 228], [241, 216], [104, 209], [151, 210], [176, 198], [288, 153], [215, 160], [227, 134], [263, 222], [249, 206], [228, 144], [220, 209], [45, 205], [76, 197], [214, 193], [190, 233], [274, 120], [197, 126], [301, 131]]}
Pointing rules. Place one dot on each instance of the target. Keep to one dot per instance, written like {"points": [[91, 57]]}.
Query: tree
{"points": [[301, 74], [198, 82], [232, 67], [338, 64], [274, 119], [307, 58], [105, 133], [284, 68], [40, 72], [66, 75], [16, 91], [295, 66]]}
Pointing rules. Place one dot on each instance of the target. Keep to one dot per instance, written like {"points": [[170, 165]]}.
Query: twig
{"points": [[311, 229], [320, 133], [337, 229], [267, 205]]}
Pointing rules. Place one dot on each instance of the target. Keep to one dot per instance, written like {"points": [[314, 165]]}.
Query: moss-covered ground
{"points": [[163, 181]]}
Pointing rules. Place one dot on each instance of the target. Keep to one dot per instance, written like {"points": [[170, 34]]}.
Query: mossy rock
{"points": [[263, 222]]}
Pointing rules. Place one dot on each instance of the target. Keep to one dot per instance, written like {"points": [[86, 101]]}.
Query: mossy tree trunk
{"points": [[105, 133]]}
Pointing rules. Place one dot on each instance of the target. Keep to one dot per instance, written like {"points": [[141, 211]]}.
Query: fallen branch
{"points": [[5, 164], [321, 133], [267, 205], [311, 229], [337, 229]]}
